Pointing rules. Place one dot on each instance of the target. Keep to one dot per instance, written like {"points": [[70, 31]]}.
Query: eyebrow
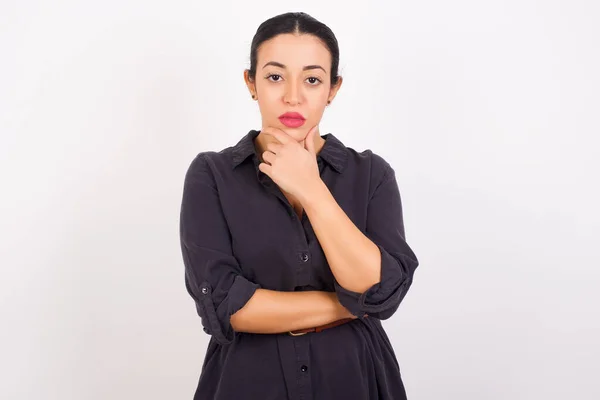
{"points": [[305, 68]]}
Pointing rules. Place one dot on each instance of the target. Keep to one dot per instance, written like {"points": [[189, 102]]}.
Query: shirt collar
{"points": [[333, 152]]}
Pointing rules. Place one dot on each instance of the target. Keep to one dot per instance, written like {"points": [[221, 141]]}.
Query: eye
{"points": [[313, 80], [273, 75]]}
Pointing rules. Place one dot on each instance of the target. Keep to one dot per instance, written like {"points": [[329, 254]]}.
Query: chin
{"points": [[297, 133]]}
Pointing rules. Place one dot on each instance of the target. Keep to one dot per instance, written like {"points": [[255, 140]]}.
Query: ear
{"points": [[334, 89], [249, 83]]}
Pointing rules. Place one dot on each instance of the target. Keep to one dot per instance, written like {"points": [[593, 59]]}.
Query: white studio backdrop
{"points": [[487, 110]]}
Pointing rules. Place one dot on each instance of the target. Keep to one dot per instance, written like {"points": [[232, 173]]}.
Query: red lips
{"points": [[292, 115], [292, 119]]}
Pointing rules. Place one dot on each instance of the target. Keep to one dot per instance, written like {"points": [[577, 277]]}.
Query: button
{"points": [[304, 257], [304, 368], [204, 290]]}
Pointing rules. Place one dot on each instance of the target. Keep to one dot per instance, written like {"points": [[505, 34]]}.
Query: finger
{"points": [[265, 168], [274, 147], [268, 157], [278, 134]]}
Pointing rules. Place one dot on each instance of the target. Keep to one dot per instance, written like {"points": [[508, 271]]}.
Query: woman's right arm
{"points": [[270, 311]]}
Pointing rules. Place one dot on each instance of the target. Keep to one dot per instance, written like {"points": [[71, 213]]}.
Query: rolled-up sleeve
{"points": [[385, 227], [213, 276]]}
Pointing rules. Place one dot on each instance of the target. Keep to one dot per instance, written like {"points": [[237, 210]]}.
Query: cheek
{"points": [[317, 109], [268, 103], [269, 95]]}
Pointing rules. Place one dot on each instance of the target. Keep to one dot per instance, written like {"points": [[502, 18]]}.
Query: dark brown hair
{"points": [[298, 23]]}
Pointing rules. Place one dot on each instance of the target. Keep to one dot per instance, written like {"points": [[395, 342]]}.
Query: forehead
{"points": [[294, 51]]}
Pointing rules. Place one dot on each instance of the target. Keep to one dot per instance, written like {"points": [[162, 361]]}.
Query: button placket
{"points": [[303, 270], [303, 362], [304, 257]]}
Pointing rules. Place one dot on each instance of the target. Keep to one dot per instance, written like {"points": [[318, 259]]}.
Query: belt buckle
{"points": [[297, 334]]}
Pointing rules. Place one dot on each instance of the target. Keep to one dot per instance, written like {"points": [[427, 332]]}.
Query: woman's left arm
{"points": [[374, 271]]}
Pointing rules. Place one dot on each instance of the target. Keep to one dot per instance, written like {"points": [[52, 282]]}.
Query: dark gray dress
{"points": [[239, 233]]}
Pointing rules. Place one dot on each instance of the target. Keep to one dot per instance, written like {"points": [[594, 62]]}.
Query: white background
{"points": [[487, 110]]}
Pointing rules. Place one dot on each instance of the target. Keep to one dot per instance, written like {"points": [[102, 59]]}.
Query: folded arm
{"points": [[226, 301], [385, 227], [270, 311]]}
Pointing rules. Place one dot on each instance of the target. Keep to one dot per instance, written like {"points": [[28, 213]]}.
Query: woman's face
{"points": [[292, 75]]}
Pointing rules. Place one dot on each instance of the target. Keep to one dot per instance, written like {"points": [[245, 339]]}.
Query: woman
{"points": [[293, 243]]}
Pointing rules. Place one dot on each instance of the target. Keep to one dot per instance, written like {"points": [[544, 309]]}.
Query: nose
{"points": [[292, 93]]}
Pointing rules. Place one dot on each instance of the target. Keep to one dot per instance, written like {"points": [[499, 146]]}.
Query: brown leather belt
{"points": [[304, 331]]}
